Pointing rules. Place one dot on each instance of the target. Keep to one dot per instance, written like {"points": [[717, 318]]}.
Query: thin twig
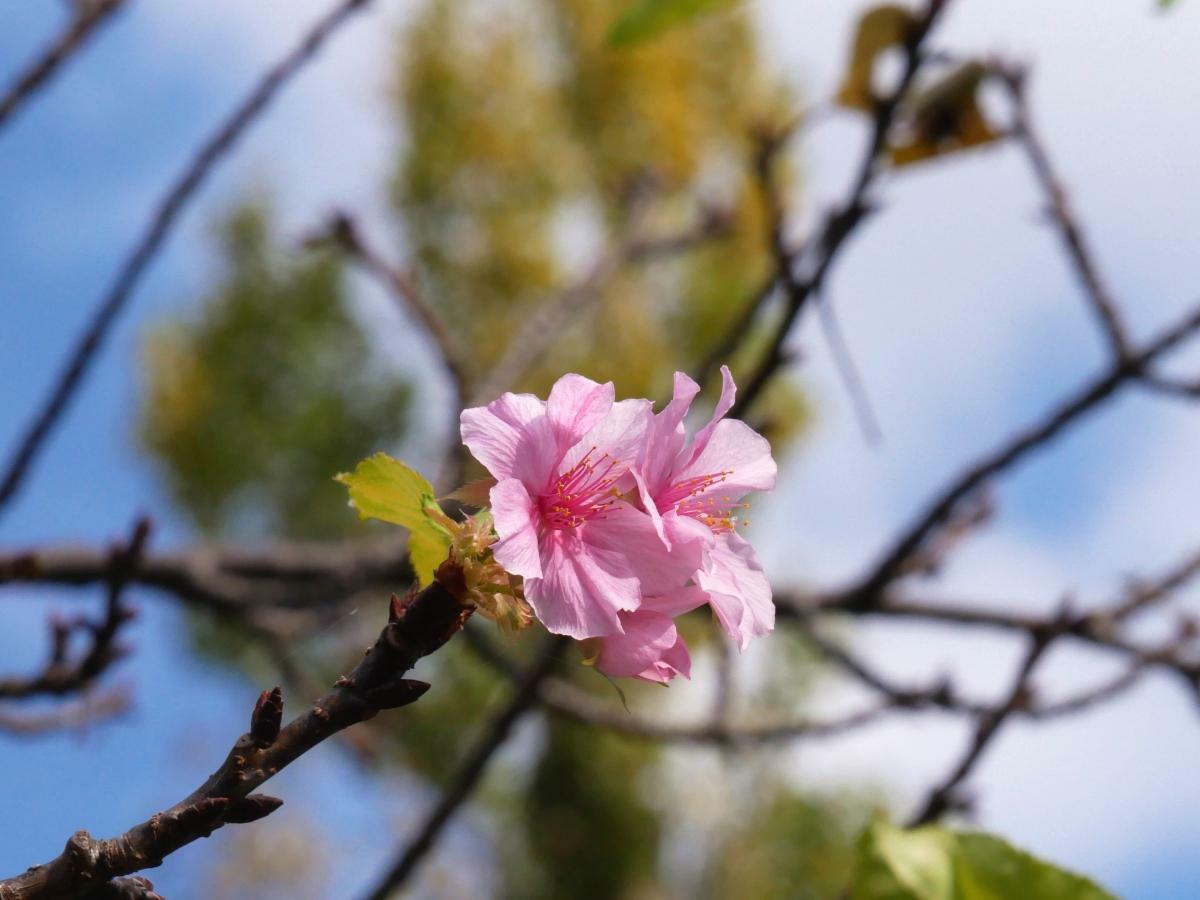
{"points": [[415, 628], [61, 675], [78, 715], [464, 781], [1014, 450], [403, 286], [88, 16], [942, 798], [165, 215], [1079, 254], [556, 314], [842, 221]]}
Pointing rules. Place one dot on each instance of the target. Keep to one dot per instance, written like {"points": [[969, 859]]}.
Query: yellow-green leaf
{"points": [[645, 19], [935, 863], [879, 29], [946, 117], [386, 489]]}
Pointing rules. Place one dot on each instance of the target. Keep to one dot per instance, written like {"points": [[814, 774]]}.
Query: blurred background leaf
{"points": [[646, 19]]}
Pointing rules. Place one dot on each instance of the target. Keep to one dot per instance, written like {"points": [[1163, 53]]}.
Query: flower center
{"points": [[585, 491], [688, 498]]}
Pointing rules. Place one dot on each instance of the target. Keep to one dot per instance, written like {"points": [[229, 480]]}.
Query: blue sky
{"points": [[954, 348]]}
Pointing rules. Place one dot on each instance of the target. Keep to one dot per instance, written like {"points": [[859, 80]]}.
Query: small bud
{"points": [[267, 717], [396, 693], [252, 808]]}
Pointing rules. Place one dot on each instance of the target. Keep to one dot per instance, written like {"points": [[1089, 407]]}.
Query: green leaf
{"points": [[386, 489], [645, 19], [880, 28], [935, 863], [1166, 4], [947, 117]]}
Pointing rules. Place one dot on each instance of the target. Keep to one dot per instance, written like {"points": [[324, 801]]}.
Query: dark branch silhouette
{"points": [[417, 626], [163, 220], [88, 16]]}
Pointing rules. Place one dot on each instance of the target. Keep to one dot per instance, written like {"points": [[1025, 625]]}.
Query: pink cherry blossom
{"points": [[651, 648], [561, 466], [693, 494]]}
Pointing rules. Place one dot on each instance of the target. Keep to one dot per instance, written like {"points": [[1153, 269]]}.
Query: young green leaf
{"points": [[644, 19], [386, 489], [935, 863], [880, 28], [946, 117]]}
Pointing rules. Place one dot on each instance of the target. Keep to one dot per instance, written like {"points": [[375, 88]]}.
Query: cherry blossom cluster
{"points": [[617, 523]]}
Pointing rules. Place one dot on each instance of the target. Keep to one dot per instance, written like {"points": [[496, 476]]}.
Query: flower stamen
{"points": [[585, 491]]}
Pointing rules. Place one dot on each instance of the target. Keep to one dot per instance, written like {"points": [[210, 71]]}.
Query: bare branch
{"points": [[943, 799], [304, 578], [464, 781], [842, 221], [415, 629], [62, 675], [554, 315], [148, 245], [1014, 450], [403, 285], [88, 16], [1078, 253], [78, 715]]}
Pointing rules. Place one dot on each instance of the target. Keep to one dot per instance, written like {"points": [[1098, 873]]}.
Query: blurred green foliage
{"points": [[794, 846], [257, 397], [937, 863], [646, 19], [573, 145]]}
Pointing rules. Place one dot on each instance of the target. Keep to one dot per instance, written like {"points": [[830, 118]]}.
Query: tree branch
{"points": [[61, 675], [417, 627], [163, 220], [88, 16], [1078, 253], [842, 221], [72, 716], [402, 284], [868, 591], [943, 799], [464, 781], [554, 315]]}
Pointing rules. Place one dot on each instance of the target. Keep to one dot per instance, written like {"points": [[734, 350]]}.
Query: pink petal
{"points": [[681, 530], [724, 404], [675, 603], [582, 587], [651, 508], [647, 636], [737, 589], [629, 534], [665, 436], [515, 519], [512, 438], [736, 448], [576, 405], [675, 661], [619, 436]]}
